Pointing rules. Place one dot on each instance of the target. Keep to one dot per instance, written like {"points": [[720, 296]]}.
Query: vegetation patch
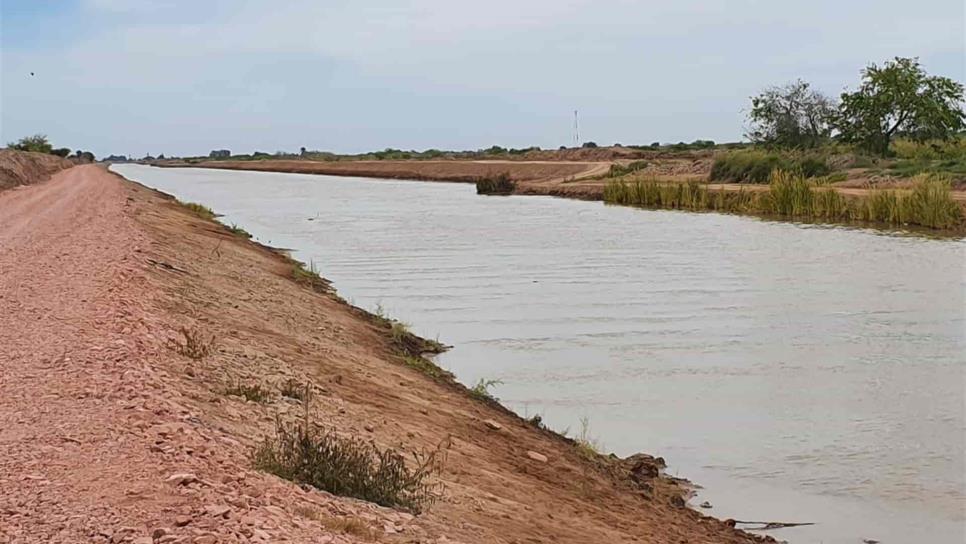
{"points": [[309, 276], [426, 366], [928, 204], [346, 524], [238, 231], [194, 344], [618, 170], [482, 388], [252, 392], [350, 467], [756, 166], [499, 184], [587, 446], [199, 210]]}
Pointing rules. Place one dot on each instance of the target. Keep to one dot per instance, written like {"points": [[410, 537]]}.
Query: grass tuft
{"points": [[252, 392], [194, 344], [199, 210], [309, 276], [481, 390], [587, 446], [350, 467], [294, 389], [238, 231]]}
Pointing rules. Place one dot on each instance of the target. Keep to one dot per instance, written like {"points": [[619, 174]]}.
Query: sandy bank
{"points": [[110, 434]]}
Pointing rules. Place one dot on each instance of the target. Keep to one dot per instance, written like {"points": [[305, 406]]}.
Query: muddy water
{"points": [[799, 373]]}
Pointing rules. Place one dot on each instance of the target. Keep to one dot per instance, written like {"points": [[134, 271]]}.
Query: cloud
{"points": [[355, 75]]}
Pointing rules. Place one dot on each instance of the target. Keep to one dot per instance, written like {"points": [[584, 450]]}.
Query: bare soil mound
{"points": [[25, 168], [113, 430]]}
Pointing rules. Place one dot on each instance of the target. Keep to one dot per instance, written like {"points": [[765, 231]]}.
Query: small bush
{"points": [[481, 390], [195, 344], [350, 467], [499, 184], [252, 392]]}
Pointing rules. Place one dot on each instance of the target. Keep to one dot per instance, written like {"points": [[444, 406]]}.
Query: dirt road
{"points": [[109, 434]]}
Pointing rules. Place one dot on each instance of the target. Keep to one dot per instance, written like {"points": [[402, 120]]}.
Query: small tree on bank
{"points": [[900, 98], [37, 143], [791, 116]]}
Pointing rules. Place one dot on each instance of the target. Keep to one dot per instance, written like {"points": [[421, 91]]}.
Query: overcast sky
{"points": [[183, 77]]}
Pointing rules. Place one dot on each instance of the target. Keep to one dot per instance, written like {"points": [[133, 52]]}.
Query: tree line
{"points": [[896, 99]]}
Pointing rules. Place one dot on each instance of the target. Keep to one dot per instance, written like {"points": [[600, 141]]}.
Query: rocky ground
{"points": [[111, 432]]}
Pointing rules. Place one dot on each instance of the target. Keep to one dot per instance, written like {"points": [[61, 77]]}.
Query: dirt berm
{"points": [[24, 168], [113, 430]]}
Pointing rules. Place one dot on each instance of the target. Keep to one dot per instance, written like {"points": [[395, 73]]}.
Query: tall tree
{"points": [[900, 98], [793, 115]]}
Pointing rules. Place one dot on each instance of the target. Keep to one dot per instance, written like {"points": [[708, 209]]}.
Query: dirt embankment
{"points": [[110, 433], [570, 179], [24, 168], [458, 171]]}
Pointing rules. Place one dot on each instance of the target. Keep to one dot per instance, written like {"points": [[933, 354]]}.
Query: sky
{"points": [[182, 77]]}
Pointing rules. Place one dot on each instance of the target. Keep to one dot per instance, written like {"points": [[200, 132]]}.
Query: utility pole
{"points": [[576, 131]]}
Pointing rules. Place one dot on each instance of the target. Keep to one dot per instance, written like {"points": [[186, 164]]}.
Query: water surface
{"points": [[799, 373]]}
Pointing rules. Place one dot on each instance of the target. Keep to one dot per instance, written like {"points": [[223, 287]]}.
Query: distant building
{"points": [[220, 154]]}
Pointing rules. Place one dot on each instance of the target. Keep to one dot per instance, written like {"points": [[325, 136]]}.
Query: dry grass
{"points": [[346, 524], [351, 467], [194, 345], [252, 392]]}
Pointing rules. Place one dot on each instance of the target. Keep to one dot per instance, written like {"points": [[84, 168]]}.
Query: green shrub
{"points": [[756, 166], [618, 170], [349, 466], [499, 184]]}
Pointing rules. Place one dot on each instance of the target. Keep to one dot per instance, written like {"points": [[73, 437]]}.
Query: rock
{"points": [[260, 535], [537, 456], [493, 424], [143, 540], [217, 510], [369, 427], [870, 541], [181, 521], [205, 539], [158, 533], [181, 478], [705, 504], [677, 502]]}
